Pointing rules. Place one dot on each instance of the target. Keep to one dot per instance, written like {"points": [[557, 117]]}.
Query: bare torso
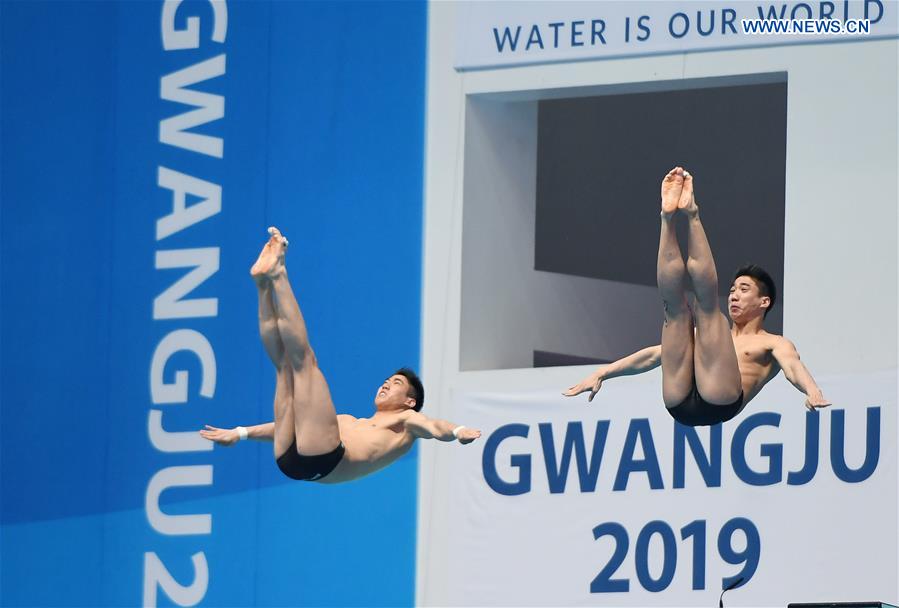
{"points": [[757, 363], [371, 444]]}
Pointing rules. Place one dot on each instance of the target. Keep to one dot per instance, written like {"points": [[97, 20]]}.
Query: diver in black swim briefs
{"points": [[710, 370], [311, 441]]}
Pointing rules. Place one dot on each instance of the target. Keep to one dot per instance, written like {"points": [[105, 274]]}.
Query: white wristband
{"points": [[456, 431], [241, 433]]}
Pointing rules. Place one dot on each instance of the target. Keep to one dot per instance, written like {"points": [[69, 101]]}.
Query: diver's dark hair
{"points": [[762, 279], [416, 389]]}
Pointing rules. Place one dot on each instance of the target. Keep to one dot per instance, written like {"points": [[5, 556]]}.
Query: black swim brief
{"points": [[309, 468], [696, 411]]}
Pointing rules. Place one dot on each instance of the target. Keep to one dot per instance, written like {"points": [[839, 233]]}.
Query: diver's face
{"points": [[745, 301], [393, 394]]}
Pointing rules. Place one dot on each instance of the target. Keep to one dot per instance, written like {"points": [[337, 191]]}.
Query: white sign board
{"points": [[564, 503], [499, 34]]}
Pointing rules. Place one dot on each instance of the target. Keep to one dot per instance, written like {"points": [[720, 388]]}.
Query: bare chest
{"points": [[754, 355], [375, 424], [379, 433], [373, 442]]}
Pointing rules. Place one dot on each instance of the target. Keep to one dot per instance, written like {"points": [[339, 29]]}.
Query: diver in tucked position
{"points": [[311, 441], [710, 370]]}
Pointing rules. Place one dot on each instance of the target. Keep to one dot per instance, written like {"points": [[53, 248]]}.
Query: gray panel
{"points": [[600, 161], [543, 358]]}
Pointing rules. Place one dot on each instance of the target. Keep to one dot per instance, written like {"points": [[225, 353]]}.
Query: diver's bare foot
{"points": [[672, 187], [271, 260], [255, 270], [687, 201]]}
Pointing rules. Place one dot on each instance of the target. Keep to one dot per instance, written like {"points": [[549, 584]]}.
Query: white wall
{"points": [[840, 254], [508, 308]]}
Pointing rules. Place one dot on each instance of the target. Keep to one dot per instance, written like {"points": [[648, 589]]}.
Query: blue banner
{"points": [[147, 146]]}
